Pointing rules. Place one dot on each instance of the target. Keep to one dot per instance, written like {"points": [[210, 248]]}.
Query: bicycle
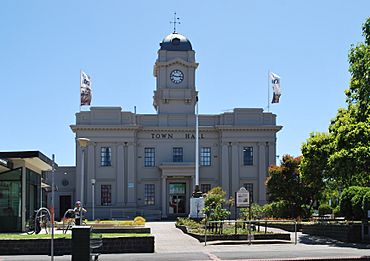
{"points": [[69, 220], [36, 223]]}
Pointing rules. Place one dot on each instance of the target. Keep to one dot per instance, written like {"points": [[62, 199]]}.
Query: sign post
{"points": [[242, 201], [242, 198]]}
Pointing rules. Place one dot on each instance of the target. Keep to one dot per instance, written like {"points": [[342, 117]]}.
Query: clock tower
{"points": [[175, 76]]}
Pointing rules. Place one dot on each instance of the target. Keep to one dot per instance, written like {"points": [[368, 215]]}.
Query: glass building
{"points": [[21, 187]]}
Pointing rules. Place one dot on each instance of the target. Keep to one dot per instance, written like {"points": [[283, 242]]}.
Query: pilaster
{"points": [[225, 168], [120, 185], [262, 170], [164, 197], [131, 175], [235, 168], [90, 174]]}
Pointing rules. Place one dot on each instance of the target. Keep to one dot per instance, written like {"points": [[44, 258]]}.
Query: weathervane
{"points": [[175, 21]]}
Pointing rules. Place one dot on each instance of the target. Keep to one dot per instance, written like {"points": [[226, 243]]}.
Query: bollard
{"points": [[81, 243]]}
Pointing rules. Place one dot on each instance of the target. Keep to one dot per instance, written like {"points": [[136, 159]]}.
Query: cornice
{"points": [[172, 62], [76, 128], [249, 128], [176, 61], [177, 129]]}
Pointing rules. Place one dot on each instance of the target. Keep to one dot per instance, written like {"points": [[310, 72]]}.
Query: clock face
{"points": [[176, 76]]}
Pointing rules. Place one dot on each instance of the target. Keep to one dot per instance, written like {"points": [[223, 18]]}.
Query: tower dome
{"points": [[175, 42]]}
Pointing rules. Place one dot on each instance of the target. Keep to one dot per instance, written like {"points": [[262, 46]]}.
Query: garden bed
{"points": [[112, 243], [228, 237]]}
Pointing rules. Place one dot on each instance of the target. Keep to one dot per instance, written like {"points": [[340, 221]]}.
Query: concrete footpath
{"points": [[172, 244]]}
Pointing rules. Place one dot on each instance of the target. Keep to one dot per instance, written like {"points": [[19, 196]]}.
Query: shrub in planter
{"points": [[351, 202], [188, 222], [336, 211], [279, 209], [358, 212], [366, 202], [324, 209]]}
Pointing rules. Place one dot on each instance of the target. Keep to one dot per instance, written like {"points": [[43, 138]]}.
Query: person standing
{"points": [[79, 211]]}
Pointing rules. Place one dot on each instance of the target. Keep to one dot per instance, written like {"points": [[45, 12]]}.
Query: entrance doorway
{"points": [[65, 203], [177, 198]]}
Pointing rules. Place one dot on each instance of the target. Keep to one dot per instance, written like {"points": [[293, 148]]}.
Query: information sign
{"points": [[242, 198]]}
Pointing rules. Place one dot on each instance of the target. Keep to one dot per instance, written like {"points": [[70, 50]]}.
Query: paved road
{"points": [[172, 245]]}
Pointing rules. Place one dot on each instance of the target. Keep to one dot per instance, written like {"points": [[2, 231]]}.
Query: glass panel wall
{"points": [[11, 200], [33, 188]]}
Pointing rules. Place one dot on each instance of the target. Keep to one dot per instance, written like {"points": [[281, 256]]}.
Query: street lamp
{"points": [[83, 142], [93, 198]]}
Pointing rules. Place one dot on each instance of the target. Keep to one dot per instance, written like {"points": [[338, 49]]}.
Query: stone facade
{"points": [[144, 164]]}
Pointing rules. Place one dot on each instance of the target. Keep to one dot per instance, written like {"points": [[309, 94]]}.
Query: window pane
{"points": [[106, 195], [249, 187], [149, 157], [205, 156], [105, 156], [248, 156], [177, 155], [205, 188], [149, 194]]}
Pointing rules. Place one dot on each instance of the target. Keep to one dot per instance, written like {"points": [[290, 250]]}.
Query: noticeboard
{"points": [[242, 198]]}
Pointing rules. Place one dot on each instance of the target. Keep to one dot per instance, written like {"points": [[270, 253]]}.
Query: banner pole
{"points": [[196, 144], [268, 91], [79, 95]]}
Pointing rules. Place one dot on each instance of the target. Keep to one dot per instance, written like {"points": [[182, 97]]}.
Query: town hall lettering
{"points": [[192, 136], [167, 136], [162, 136]]}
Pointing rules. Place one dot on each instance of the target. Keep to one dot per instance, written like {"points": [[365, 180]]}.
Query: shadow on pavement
{"points": [[246, 242], [316, 240]]}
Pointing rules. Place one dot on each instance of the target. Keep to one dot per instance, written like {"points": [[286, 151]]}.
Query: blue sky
{"points": [[44, 44]]}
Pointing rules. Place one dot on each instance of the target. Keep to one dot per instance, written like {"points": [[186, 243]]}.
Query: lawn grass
{"points": [[21, 236]]}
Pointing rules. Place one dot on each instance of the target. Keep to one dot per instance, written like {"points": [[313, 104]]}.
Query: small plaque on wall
{"points": [[131, 185]]}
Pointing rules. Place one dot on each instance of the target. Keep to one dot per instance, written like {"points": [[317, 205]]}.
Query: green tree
{"points": [[314, 166], [213, 204], [284, 184], [350, 129], [352, 202]]}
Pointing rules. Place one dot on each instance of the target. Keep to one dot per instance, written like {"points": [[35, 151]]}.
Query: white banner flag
{"points": [[275, 80], [85, 89]]}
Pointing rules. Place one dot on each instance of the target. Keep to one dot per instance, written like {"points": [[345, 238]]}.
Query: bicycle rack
{"points": [[37, 214]]}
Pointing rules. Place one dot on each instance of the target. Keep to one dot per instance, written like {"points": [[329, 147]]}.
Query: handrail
{"points": [[250, 222]]}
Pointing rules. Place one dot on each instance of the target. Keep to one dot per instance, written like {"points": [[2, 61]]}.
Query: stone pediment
{"points": [[173, 62], [178, 169]]}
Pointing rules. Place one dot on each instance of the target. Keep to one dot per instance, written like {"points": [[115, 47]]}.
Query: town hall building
{"points": [[144, 164]]}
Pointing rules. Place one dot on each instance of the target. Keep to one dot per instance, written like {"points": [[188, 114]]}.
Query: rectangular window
{"points": [[249, 187], [177, 154], [205, 188], [149, 157], [106, 195], [205, 156], [105, 156], [248, 156], [149, 194]]}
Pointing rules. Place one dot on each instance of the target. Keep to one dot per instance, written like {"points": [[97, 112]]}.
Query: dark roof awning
{"points": [[34, 157]]}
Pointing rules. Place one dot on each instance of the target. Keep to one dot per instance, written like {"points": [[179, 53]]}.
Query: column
{"points": [[120, 186], [225, 168], [164, 197], [272, 153], [90, 174], [131, 177], [261, 173], [24, 198], [235, 180], [78, 173]]}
